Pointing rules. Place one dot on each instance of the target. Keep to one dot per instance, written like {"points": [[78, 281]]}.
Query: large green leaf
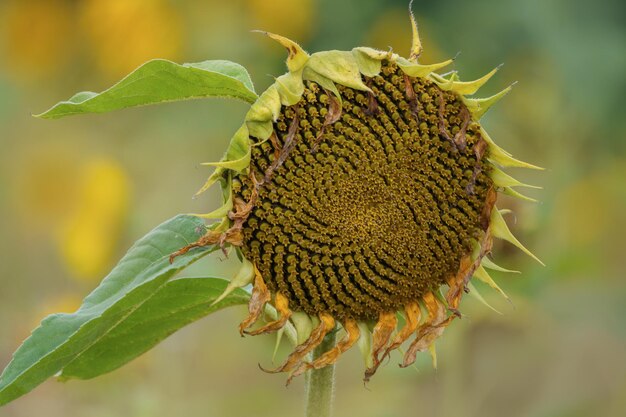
{"points": [[159, 81], [176, 304], [142, 272]]}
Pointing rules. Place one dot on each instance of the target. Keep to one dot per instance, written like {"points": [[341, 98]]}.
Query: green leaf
{"points": [[142, 272], [159, 81], [179, 302]]}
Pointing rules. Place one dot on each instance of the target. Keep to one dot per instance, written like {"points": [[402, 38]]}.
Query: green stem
{"points": [[320, 383]]}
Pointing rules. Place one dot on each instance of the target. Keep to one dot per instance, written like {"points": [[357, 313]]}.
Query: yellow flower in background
{"points": [[82, 204], [44, 193], [293, 18], [88, 238], [37, 36], [121, 34]]}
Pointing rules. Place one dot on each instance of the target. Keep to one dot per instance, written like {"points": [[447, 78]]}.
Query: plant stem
{"points": [[320, 383]]}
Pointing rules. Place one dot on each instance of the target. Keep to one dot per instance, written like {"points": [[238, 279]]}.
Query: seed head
{"points": [[360, 186]]}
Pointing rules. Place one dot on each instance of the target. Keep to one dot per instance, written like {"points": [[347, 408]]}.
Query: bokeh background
{"points": [[75, 193]]}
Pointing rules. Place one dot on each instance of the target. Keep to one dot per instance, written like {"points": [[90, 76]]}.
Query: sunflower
{"points": [[360, 194]]}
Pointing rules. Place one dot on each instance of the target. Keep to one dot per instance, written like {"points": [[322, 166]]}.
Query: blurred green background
{"points": [[75, 193]]}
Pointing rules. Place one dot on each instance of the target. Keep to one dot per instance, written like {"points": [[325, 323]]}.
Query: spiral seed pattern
{"points": [[370, 212]]}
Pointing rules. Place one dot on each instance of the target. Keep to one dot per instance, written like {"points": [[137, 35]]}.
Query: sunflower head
{"points": [[362, 188]]}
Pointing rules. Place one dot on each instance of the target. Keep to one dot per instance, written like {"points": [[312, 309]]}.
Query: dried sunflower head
{"points": [[361, 187]]}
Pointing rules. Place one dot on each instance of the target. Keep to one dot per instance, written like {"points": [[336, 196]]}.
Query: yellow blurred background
{"points": [[75, 193]]}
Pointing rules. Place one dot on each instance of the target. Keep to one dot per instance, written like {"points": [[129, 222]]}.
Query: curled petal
{"points": [[412, 314], [468, 266], [289, 144], [330, 357], [430, 330], [334, 113], [260, 296], [282, 307], [212, 237], [327, 323], [386, 324]]}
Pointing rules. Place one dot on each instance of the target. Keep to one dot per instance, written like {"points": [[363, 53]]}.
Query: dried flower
{"points": [[362, 186]]}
